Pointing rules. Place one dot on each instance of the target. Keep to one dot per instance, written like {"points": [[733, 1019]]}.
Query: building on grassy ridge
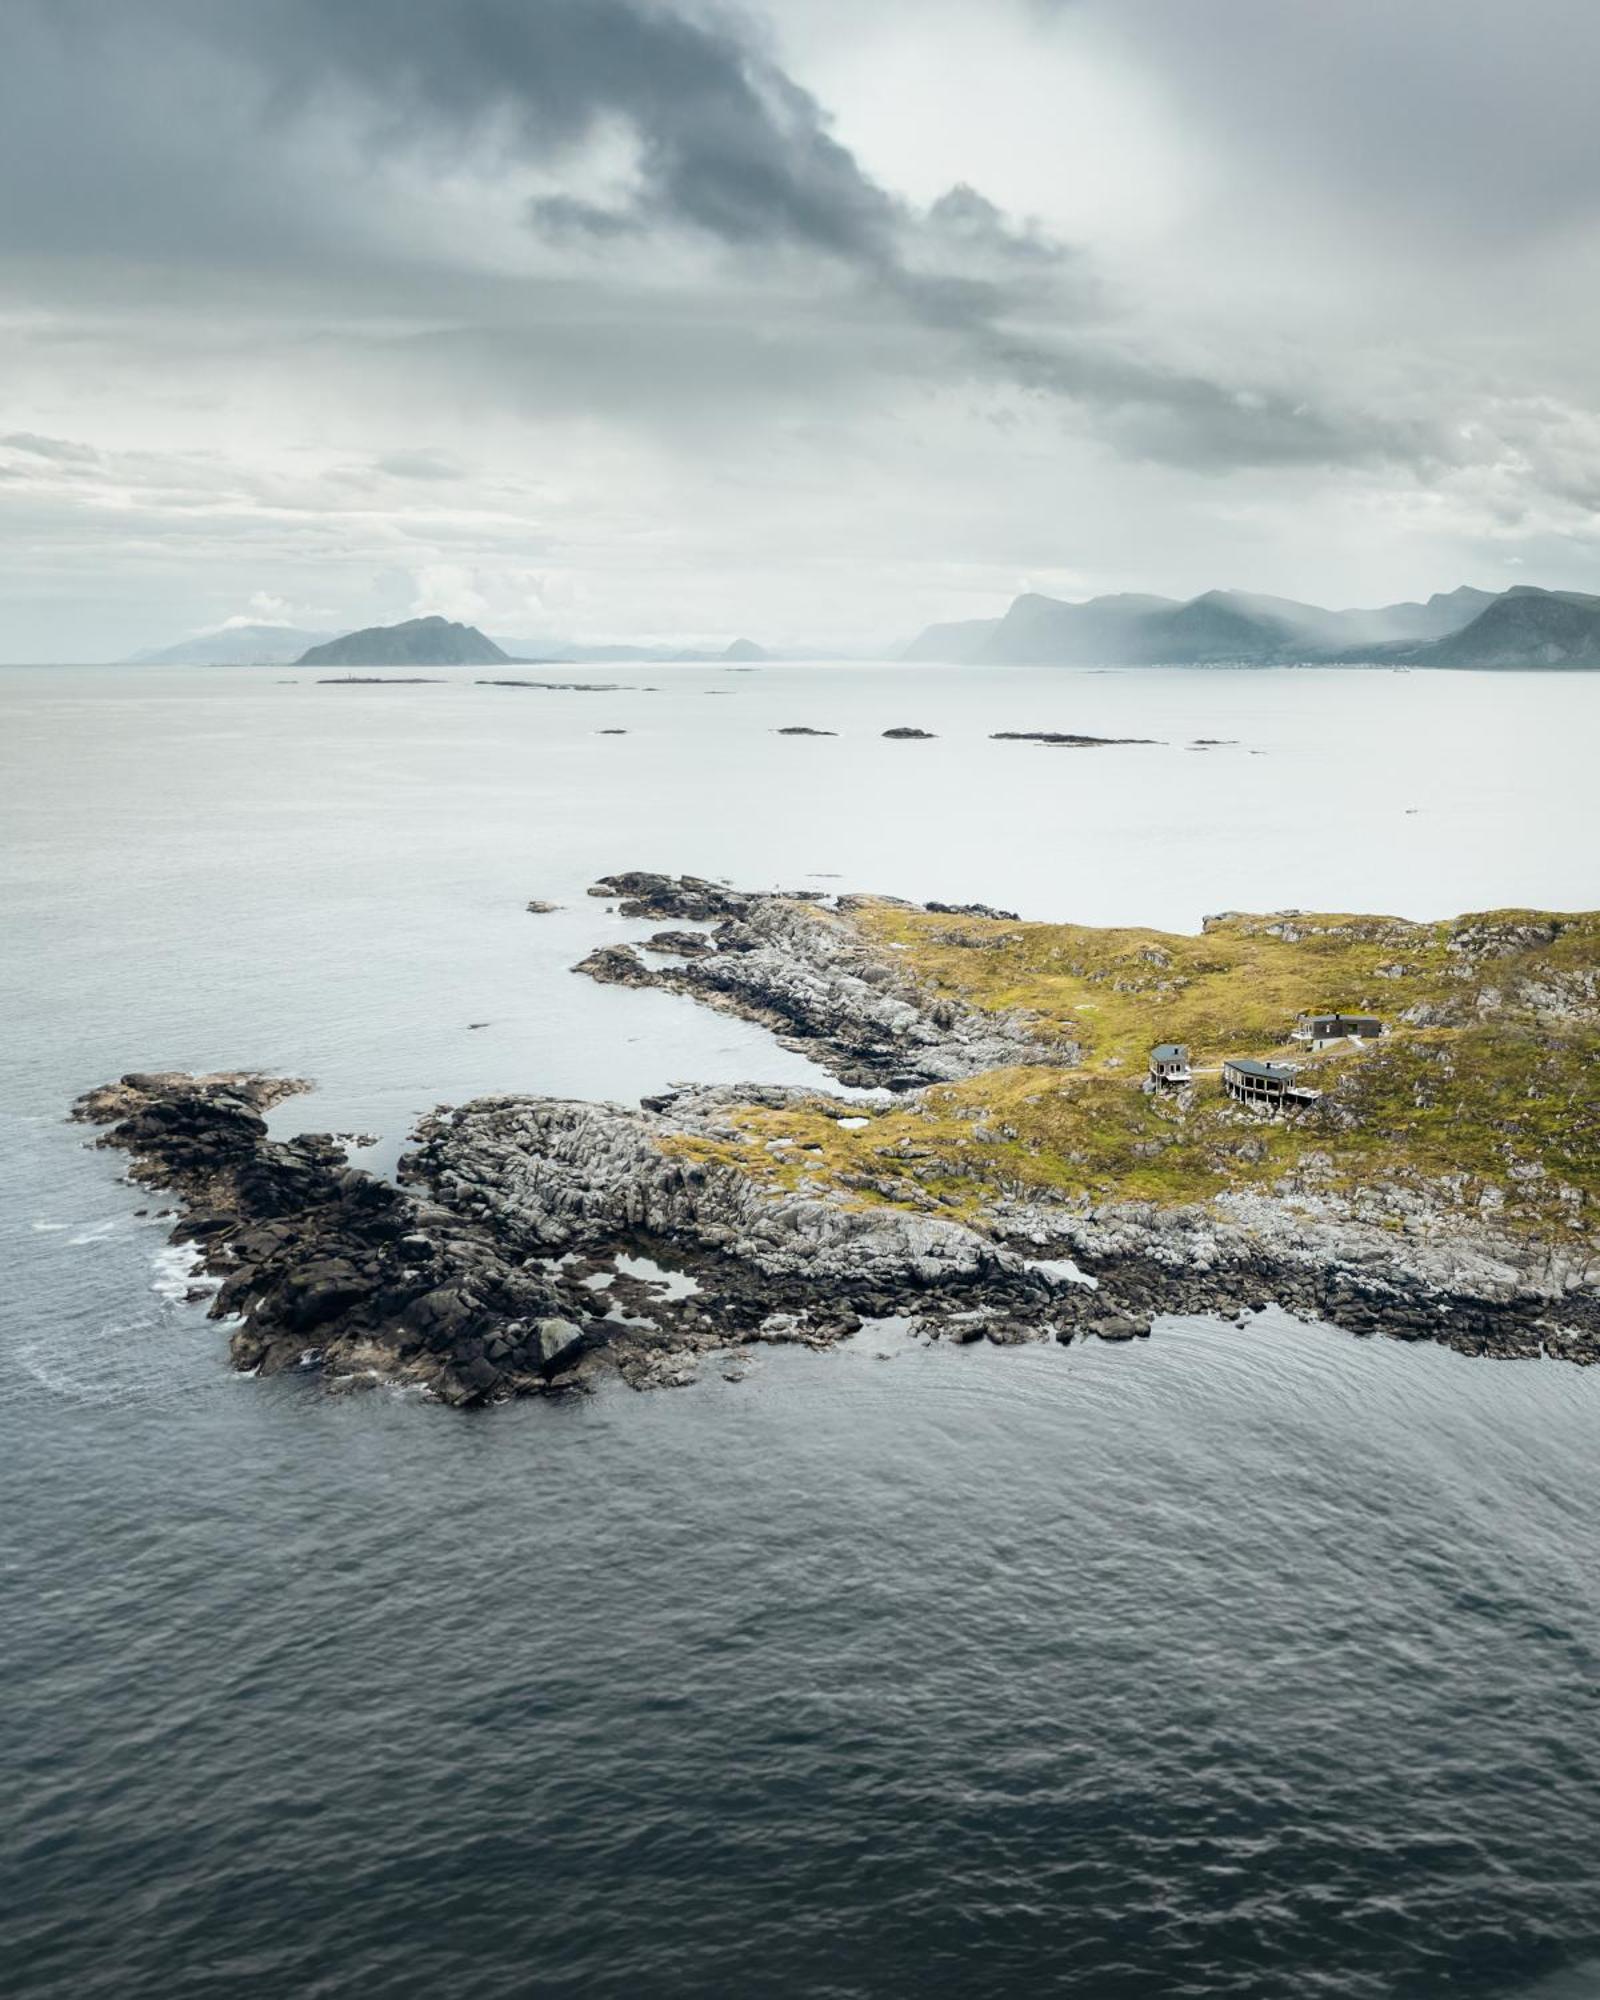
{"points": [[1265, 1086], [1320, 1030]]}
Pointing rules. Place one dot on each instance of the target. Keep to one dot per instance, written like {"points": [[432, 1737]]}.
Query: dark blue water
{"points": [[1247, 1662]]}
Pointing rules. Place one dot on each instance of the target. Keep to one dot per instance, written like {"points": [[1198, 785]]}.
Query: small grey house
{"points": [[1321, 1029], [1169, 1065], [1264, 1085]]}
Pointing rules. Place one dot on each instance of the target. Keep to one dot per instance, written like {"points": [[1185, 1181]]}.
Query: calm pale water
{"points": [[1246, 1663]]}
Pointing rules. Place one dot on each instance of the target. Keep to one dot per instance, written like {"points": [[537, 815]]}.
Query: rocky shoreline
{"points": [[531, 1245], [789, 964]]}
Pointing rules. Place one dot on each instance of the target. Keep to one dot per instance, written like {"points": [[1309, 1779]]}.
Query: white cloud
{"points": [[448, 590]]}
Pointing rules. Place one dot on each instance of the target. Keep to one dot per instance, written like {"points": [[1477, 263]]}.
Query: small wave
{"points": [[1573, 1982], [177, 1273], [43, 1227], [98, 1371], [97, 1232]]}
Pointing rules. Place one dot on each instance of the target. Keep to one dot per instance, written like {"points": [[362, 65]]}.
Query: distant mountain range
{"points": [[1521, 627], [235, 646], [418, 642]]}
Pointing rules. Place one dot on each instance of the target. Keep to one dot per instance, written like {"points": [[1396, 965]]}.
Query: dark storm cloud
{"points": [[565, 216], [728, 143], [198, 132]]}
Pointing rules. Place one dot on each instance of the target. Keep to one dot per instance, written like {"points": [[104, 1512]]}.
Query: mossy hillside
{"points": [[1498, 1113], [1236, 987], [1016, 1131]]}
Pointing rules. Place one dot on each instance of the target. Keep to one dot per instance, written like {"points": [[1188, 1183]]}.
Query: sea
{"points": [[1248, 1661]]}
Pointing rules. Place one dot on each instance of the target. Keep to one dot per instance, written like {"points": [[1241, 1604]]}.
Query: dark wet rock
{"points": [[566, 687], [1063, 738], [317, 1257], [684, 898], [800, 729], [556, 1343], [683, 944], [1011, 1333], [536, 908], [1118, 1326], [972, 910], [909, 735], [616, 965]]}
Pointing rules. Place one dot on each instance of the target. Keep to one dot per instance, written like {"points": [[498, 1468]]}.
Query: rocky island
{"points": [[1006, 1168], [418, 642]]}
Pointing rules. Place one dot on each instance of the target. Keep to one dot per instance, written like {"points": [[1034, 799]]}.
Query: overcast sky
{"points": [[808, 319]]}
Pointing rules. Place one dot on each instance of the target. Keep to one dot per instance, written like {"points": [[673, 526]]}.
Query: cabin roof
{"points": [[1251, 1066], [1169, 1052], [1334, 1019]]}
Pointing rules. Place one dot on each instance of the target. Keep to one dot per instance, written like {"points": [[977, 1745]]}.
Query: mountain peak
{"points": [[417, 642]]}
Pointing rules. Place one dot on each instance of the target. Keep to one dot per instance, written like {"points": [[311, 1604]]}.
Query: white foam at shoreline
{"points": [[177, 1273]]}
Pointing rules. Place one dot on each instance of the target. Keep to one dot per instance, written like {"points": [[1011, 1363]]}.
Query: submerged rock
{"points": [[1063, 738], [681, 944]]}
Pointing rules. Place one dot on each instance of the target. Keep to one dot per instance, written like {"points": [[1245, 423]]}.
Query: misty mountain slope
{"points": [[1445, 612], [1216, 628], [959, 640], [1524, 628], [419, 642], [1221, 625], [234, 646], [1045, 632]]}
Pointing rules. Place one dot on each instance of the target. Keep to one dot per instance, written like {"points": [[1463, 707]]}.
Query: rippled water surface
{"points": [[1246, 1661]]}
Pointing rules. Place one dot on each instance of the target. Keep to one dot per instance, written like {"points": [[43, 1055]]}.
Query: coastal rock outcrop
{"points": [[791, 965], [507, 1259]]}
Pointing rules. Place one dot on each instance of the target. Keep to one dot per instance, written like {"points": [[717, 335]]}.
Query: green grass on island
{"points": [[1481, 1097]]}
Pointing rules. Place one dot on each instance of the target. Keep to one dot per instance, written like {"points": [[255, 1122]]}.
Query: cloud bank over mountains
{"points": [[625, 318]]}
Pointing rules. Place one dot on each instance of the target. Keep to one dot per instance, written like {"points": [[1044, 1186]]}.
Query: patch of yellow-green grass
{"points": [[1023, 1131], [1501, 1105], [1233, 990], [1488, 1097]]}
